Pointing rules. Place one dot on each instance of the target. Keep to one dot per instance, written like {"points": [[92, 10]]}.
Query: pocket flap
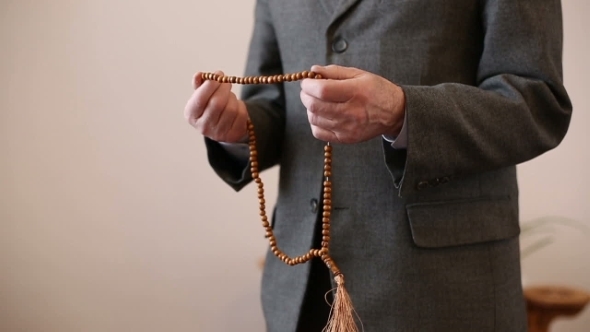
{"points": [[454, 223]]}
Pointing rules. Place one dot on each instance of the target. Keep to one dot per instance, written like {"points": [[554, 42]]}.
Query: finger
{"points": [[197, 80], [319, 121], [238, 130], [226, 121], [323, 134], [200, 98], [215, 110], [336, 91], [335, 72], [325, 109]]}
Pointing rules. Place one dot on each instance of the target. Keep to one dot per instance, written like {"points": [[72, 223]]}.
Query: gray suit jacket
{"points": [[427, 237]]}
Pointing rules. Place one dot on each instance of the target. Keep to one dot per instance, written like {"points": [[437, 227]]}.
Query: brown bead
{"points": [[327, 202], [326, 213], [327, 207], [256, 80], [326, 225], [263, 79], [327, 184], [298, 76], [325, 232], [305, 74], [327, 173], [318, 76], [280, 79]]}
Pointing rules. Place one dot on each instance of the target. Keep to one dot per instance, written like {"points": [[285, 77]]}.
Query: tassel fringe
{"points": [[342, 313]]}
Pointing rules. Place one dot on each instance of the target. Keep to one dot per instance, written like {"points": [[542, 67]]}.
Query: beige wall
{"points": [[107, 220]]}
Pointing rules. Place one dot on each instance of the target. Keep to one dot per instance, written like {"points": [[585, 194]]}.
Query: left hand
{"points": [[350, 105]]}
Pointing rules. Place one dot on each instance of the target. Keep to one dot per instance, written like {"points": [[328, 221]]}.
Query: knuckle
{"points": [[323, 91], [215, 105], [312, 118]]}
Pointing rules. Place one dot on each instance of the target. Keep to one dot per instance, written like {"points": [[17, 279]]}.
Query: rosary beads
{"points": [[261, 79], [323, 253], [341, 316]]}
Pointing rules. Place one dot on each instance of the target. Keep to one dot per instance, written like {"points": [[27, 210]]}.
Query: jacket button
{"points": [[314, 205], [422, 185], [339, 45]]}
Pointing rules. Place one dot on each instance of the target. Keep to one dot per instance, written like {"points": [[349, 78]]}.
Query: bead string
{"points": [[324, 252]]}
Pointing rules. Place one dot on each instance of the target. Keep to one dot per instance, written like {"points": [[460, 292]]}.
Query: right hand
{"points": [[216, 112]]}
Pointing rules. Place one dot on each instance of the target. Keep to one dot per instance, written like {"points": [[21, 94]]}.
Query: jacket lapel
{"points": [[329, 6], [340, 8]]}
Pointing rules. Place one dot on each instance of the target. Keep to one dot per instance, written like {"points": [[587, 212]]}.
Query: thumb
{"points": [[336, 72]]}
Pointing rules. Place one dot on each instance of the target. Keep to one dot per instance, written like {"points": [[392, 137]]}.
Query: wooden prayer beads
{"points": [[324, 252], [274, 79]]}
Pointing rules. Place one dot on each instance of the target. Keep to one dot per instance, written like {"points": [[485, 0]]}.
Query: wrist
{"points": [[397, 111]]}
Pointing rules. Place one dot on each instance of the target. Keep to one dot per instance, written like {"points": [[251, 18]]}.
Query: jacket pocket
{"points": [[461, 222]]}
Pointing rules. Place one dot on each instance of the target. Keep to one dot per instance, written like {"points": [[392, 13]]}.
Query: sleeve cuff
{"points": [[239, 151], [401, 141]]}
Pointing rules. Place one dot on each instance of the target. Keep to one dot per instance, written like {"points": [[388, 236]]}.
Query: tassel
{"points": [[342, 312]]}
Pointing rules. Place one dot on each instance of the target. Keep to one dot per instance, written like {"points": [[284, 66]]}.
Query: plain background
{"points": [[110, 217]]}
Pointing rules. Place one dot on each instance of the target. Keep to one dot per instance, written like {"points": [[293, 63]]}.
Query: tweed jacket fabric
{"points": [[427, 236]]}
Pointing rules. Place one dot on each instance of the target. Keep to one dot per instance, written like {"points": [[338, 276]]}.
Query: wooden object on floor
{"points": [[546, 303]]}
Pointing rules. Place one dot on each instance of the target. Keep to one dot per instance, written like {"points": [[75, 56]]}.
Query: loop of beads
{"points": [[324, 252]]}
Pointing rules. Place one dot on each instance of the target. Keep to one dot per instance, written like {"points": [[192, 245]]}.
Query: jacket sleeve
{"points": [[518, 110], [265, 104]]}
